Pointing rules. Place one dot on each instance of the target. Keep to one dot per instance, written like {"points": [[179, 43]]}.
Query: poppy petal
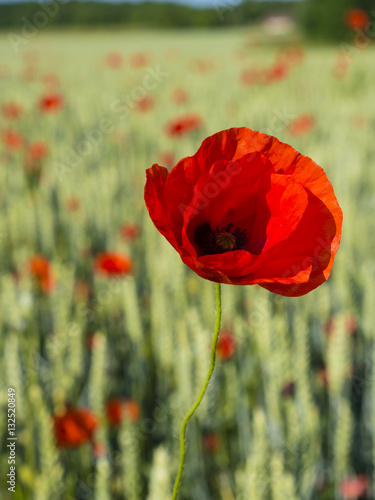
{"points": [[156, 178]]}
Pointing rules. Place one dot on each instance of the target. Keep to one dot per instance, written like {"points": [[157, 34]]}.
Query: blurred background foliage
{"points": [[317, 19]]}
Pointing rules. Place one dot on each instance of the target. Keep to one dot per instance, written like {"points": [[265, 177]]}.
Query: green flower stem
{"points": [[201, 394]]}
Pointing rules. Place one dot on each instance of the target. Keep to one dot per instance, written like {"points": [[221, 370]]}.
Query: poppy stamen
{"points": [[226, 241], [223, 239]]}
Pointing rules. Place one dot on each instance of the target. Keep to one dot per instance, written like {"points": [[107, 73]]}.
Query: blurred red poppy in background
{"points": [[74, 427], [211, 441], [73, 203], [288, 389], [13, 139], [279, 71], [144, 104], [356, 18], [301, 125], [356, 487], [51, 80], [30, 56], [167, 158], [37, 150], [139, 60], [251, 76], [82, 289], [291, 56], [180, 96], [41, 270], [184, 125], [248, 209], [226, 345], [130, 231], [113, 264], [117, 410], [35, 154], [115, 60], [361, 121], [341, 67], [51, 103], [202, 65], [11, 110], [29, 73], [350, 325]]}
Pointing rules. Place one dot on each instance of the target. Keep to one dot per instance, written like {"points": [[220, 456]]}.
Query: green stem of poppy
{"points": [[201, 394]]}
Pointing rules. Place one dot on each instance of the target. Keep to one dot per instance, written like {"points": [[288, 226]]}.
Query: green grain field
{"points": [[146, 337]]}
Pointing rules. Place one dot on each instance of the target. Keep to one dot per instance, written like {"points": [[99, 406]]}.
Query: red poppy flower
{"points": [[202, 65], [113, 264], [350, 325], [180, 96], [291, 56], [35, 154], [211, 441], [73, 203], [41, 270], [184, 125], [301, 125], [30, 73], [356, 18], [167, 158], [13, 139], [144, 104], [115, 60], [139, 60], [82, 289], [92, 342], [341, 67], [31, 56], [117, 410], [251, 76], [130, 231], [100, 450], [74, 427], [51, 80], [51, 103], [288, 390], [11, 110], [247, 209], [278, 72], [356, 487], [361, 121], [37, 150], [226, 345]]}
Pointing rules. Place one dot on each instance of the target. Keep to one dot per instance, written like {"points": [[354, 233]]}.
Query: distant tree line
{"points": [[147, 14], [321, 19]]}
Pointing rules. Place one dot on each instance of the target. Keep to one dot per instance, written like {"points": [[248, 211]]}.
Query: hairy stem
{"points": [[201, 394]]}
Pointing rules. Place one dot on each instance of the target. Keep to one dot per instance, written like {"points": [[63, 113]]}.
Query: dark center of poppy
{"points": [[220, 240], [226, 241]]}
